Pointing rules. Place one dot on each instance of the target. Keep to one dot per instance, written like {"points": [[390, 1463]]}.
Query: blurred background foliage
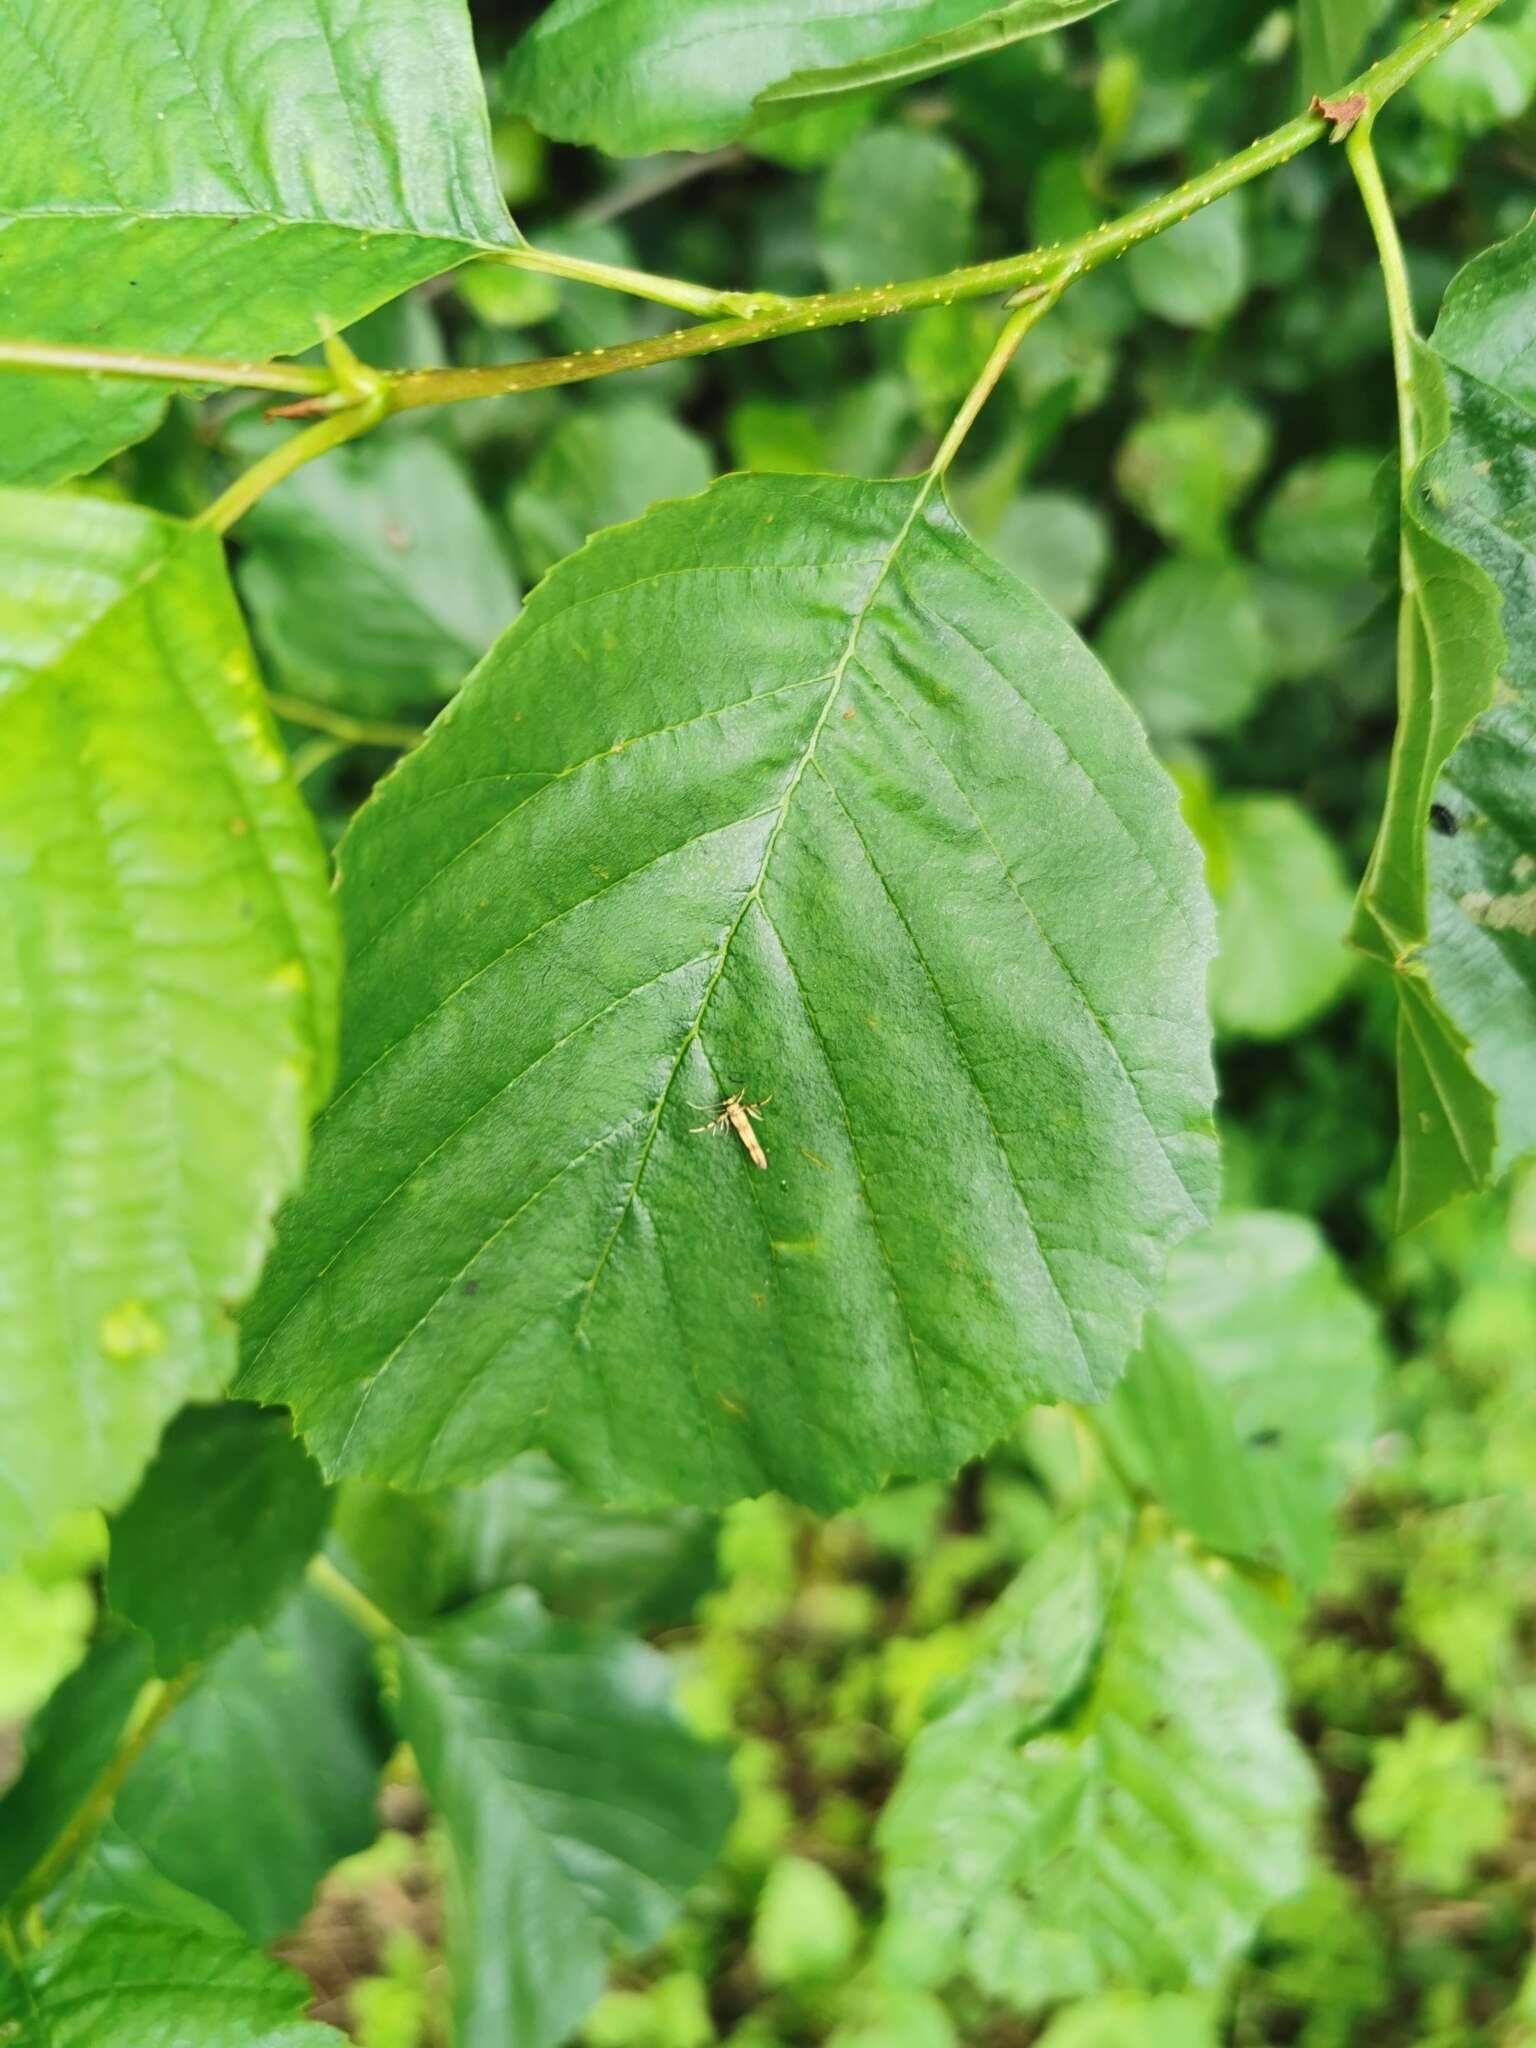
{"points": [[1192, 459]]}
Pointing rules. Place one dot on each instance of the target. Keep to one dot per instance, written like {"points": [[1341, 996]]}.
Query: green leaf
{"points": [[67, 1747], [127, 1982], [1123, 1822], [778, 434], [1125, 2019], [636, 76], [1186, 470], [1173, 39], [376, 578], [833, 855], [415, 1555], [1441, 903], [222, 186], [1055, 542], [160, 1045], [1282, 911], [601, 466], [1253, 1400], [117, 1877], [265, 1775], [48, 1613], [1332, 40], [1484, 81], [1433, 1797], [1320, 519], [577, 1808], [217, 1535], [530, 1526], [1188, 646], [1477, 492], [806, 1928], [899, 203], [1196, 274], [888, 2016]]}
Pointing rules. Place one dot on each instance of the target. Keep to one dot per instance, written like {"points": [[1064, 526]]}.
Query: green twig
{"points": [[1394, 270], [754, 317], [1038, 302], [253, 483], [344, 729], [352, 1601], [411, 388], [154, 1706]]}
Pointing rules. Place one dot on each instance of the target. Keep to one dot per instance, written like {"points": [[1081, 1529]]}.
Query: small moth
{"points": [[738, 1114]]}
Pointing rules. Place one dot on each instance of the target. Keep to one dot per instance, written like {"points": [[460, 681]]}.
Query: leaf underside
{"points": [[634, 76], [888, 854], [1448, 900]]}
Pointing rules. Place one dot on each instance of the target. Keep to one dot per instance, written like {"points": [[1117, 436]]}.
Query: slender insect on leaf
{"points": [[737, 1116]]}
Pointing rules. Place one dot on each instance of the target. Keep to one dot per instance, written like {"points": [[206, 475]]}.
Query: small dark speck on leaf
{"points": [[471, 1287], [1443, 821], [1264, 1439]]}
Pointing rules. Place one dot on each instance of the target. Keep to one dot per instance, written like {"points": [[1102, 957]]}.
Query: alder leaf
{"points": [[576, 1806], [1067, 1826], [1477, 492], [1253, 1399], [222, 1525], [266, 1774], [221, 179], [167, 978], [67, 1746], [374, 579], [636, 76], [1448, 900], [786, 789], [123, 1981]]}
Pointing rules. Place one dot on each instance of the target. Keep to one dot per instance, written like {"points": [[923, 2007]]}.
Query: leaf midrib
{"points": [[753, 896]]}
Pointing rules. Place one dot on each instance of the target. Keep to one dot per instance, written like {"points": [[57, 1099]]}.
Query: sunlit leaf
{"points": [[167, 982]]}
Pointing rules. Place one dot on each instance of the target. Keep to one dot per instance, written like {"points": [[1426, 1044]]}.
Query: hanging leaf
{"points": [[222, 189], [1066, 1826], [577, 1808], [161, 1045], [635, 76], [889, 857], [1447, 900]]}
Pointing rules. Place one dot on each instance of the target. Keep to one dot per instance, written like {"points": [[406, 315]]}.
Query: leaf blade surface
{"points": [[160, 1043], [202, 177], [835, 853]]}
